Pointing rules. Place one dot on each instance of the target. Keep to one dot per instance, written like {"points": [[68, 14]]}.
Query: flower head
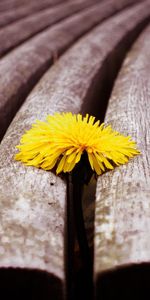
{"points": [[64, 137]]}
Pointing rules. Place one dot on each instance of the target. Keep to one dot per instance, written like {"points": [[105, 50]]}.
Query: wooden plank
{"points": [[16, 33], [14, 4], [13, 13], [122, 220], [33, 201], [21, 68]]}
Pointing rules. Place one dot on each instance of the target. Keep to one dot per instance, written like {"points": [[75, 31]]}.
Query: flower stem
{"points": [[79, 222], [80, 175], [79, 279], [70, 238]]}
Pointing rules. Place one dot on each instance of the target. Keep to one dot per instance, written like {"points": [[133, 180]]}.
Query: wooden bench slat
{"points": [[14, 34], [33, 201], [122, 219], [21, 68], [11, 4], [13, 14]]}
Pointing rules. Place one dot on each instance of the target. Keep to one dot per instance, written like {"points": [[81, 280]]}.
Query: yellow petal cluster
{"points": [[64, 137]]}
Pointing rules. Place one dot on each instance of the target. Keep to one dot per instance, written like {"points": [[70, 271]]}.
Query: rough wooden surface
{"points": [[37, 4], [33, 201], [13, 13], [14, 34], [21, 68], [122, 220]]}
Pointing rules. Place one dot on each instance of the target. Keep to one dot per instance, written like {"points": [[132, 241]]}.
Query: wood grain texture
{"points": [[21, 68], [33, 202], [14, 4], [14, 34], [13, 13], [122, 220]]}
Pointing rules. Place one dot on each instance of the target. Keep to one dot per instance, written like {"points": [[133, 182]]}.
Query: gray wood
{"points": [[14, 34], [37, 4], [33, 201], [122, 218], [21, 68], [13, 13]]}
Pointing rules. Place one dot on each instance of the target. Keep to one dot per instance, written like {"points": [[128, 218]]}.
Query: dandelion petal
{"points": [[64, 137]]}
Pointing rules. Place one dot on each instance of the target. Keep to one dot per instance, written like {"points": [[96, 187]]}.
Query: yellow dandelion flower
{"points": [[64, 137]]}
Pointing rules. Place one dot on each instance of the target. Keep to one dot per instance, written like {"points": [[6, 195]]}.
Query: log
{"points": [[13, 13], [14, 4], [33, 201], [22, 68], [122, 217], [18, 32]]}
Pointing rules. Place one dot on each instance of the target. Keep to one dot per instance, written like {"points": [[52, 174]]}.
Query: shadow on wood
{"points": [[131, 282], [26, 284]]}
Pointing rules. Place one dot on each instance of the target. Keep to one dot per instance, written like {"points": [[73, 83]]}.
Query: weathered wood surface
{"points": [[13, 4], [14, 34], [21, 68], [13, 13], [33, 202], [122, 220]]}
